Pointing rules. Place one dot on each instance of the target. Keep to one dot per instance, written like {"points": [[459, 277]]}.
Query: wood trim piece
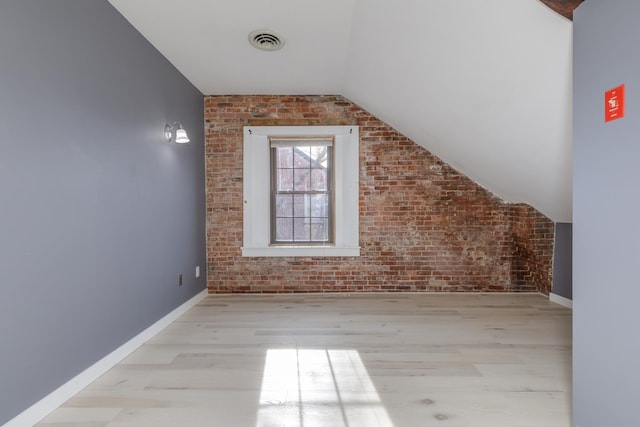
{"points": [[566, 302], [563, 7], [302, 122]]}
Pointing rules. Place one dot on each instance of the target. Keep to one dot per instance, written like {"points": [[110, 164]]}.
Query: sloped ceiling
{"points": [[485, 85]]}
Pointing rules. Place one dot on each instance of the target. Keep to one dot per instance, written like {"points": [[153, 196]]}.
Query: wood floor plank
{"points": [[400, 360]]}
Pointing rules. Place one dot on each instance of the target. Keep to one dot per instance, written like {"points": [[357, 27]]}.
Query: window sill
{"points": [[301, 251]]}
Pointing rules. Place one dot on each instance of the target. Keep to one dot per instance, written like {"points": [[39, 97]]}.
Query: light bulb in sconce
{"points": [[181, 136], [175, 133]]}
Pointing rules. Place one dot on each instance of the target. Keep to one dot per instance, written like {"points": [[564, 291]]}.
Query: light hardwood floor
{"points": [[375, 360]]}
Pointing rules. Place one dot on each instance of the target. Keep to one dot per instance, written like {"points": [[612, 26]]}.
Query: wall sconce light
{"points": [[175, 133]]}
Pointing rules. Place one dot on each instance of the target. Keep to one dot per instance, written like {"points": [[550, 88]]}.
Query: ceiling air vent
{"points": [[266, 40]]}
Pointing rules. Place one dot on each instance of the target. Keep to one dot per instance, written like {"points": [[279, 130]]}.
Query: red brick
{"points": [[423, 225]]}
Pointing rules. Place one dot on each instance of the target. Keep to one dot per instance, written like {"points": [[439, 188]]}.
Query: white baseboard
{"points": [[52, 401], [561, 300]]}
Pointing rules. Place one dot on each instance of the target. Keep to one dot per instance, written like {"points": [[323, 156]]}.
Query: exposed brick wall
{"points": [[533, 237], [423, 225]]}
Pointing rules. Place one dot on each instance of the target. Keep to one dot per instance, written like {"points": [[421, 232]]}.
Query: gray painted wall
{"points": [[562, 260], [606, 205], [98, 215]]}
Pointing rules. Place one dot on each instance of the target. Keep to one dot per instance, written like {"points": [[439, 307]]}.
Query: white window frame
{"points": [[257, 194]]}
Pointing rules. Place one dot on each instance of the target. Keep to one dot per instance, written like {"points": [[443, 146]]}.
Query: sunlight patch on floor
{"points": [[309, 388]]}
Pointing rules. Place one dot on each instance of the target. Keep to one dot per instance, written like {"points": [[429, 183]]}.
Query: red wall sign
{"points": [[614, 104]]}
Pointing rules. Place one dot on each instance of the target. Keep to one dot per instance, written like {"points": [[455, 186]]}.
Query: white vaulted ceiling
{"points": [[484, 85]]}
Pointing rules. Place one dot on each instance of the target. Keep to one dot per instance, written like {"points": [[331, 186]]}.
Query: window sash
{"points": [[307, 219]]}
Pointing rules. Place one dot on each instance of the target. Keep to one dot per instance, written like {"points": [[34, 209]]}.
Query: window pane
{"points": [[285, 157], [319, 205], [300, 230], [320, 230], [285, 179], [318, 156], [301, 179], [301, 157], [284, 205], [301, 205], [319, 179], [284, 230]]}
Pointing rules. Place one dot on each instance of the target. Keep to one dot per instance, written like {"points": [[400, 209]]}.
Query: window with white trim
{"points": [[300, 191]]}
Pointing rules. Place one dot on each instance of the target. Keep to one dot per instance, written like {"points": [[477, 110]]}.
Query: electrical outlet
{"points": [[197, 271], [180, 280]]}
